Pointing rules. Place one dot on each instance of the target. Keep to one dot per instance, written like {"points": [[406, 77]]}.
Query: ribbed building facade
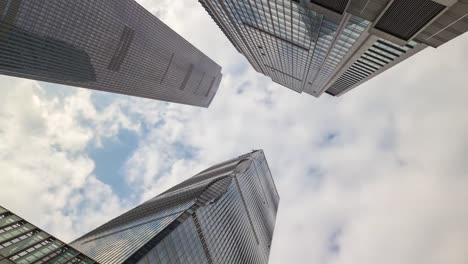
{"points": [[109, 45], [225, 214], [23, 243], [332, 46]]}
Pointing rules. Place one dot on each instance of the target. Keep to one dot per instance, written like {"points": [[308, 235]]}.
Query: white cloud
{"points": [[388, 188], [47, 176], [376, 176]]}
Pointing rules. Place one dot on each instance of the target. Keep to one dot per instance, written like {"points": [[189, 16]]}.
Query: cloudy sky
{"points": [[376, 176]]}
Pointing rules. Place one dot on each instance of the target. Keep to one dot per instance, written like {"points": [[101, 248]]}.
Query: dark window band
{"points": [[122, 49], [187, 77]]}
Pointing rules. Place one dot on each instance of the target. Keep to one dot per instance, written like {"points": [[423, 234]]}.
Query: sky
{"points": [[376, 176]]}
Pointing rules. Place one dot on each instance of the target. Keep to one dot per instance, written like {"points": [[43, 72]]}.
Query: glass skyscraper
{"points": [[332, 46], [23, 243], [110, 45], [224, 214]]}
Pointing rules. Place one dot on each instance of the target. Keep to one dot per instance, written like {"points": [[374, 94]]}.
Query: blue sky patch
{"points": [[57, 90], [329, 138], [184, 151], [102, 100], [108, 160], [333, 245]]}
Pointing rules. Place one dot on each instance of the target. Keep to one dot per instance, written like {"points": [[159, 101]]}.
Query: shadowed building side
{"points": [[28, 54]]}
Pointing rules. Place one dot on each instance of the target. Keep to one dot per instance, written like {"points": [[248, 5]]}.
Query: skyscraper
{"points": [[109, 45], [224, 214], [23, 243], [332, 46]]}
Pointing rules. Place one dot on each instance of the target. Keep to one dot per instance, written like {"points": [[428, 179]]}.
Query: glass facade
{"points": [[118, 240], [239, 227], [225, 214], [24, 243], [109, 45], [317, 46], [183, 245], [374, 59], [350, 34], [296, 46]]}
